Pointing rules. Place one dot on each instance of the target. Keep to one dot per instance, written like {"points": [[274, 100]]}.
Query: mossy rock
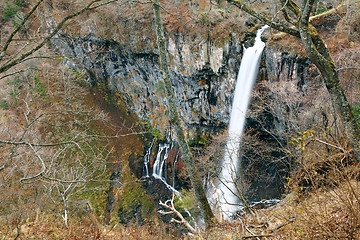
{"points": [[135, 205]]}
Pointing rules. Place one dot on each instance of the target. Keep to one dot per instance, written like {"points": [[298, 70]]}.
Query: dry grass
{"points": [[322, 214], [50, 227]]}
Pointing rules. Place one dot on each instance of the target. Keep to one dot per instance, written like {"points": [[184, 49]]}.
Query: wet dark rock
{"points": [[114, 185], [159, 192], [136, 165], [132, 214], [284, 66], [157, 189], [203, 89], [250, 22], [248, 39]]}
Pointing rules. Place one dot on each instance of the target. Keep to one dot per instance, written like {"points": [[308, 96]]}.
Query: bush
{"points": [[11, 8], [9, 12], [4, 104]]}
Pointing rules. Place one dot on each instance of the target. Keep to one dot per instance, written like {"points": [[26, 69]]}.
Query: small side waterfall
{"points": [[160, 162], [147, 159], [229, 176], [159, 167]]}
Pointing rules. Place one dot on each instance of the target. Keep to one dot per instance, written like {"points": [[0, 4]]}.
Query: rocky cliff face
{"points": [[289, 81], [283, 66], [203, 77]]}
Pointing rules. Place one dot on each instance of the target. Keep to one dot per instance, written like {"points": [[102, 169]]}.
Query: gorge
{"points": [[204, 102]]}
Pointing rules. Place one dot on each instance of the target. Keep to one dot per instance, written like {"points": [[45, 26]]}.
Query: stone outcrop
{"points": [[202, 77]]}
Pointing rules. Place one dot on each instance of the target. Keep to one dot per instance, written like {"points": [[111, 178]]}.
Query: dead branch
{"points": [[169, 204], [283, 224], [217, 200]]}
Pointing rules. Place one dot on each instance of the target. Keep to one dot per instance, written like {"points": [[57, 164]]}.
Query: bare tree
{"points": [[169, 205], [49, 148], [24, 52]]}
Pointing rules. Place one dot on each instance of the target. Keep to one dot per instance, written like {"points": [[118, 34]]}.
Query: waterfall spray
{"points": [[247, 76]]}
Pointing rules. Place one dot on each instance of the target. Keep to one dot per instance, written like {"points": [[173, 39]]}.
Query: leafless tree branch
{"points": [[169, 204], [6, 66]]}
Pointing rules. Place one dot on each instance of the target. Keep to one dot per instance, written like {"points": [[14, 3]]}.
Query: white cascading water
{"points": [[158, 170], [147, 159], [160, 160], [247, 76], [160, 165]]}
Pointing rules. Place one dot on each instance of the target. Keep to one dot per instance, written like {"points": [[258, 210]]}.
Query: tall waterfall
{"points": [[230, 166]]}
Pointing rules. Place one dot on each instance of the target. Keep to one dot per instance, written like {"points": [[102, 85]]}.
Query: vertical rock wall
{"points": [[203, 77]]}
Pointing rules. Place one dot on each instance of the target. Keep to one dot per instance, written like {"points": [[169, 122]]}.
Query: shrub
{"points": [[4, 104], [11, 9], [9, 12]]}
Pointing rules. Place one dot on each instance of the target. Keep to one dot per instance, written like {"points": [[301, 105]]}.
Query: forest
{"points": [[121, 119]]}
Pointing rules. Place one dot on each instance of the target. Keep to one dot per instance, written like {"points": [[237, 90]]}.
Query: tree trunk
{"points": [[175, 121], [319, 55]]}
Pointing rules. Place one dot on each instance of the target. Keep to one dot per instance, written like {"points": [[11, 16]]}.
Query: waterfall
{"points": [[229, 169], [160, 165], [160, 161], [147, 159]]}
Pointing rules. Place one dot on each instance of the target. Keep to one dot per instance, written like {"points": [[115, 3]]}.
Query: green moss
{"points": [[200, 140], [156, 133], [40, 89], [320, 10], [135, 206], [356, 112], [12, 8], [97, 198], [14, 93], [186, 202], [4, 104], [9, 12]]}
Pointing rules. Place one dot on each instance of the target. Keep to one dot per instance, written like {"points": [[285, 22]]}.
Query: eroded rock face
{"points": [[285, 67], [202, 78], [292, 85]]}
